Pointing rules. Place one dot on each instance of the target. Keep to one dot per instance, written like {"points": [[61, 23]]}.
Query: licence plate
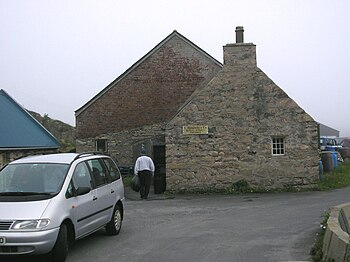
{"points": [[2, 240]]}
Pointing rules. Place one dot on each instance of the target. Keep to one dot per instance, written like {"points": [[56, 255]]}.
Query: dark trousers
{"points": [[145, 183]]}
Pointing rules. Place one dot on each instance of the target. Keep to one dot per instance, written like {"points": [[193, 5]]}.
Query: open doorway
{"points": [[159, 174]]}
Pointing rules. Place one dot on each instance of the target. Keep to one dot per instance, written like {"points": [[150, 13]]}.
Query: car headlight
{"points": [[37, 224]]}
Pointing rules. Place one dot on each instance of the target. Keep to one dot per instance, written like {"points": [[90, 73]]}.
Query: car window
{"points": [[70, 190], [6, 177], [112, 169], [98, 172], [53, 176], [81, 176], [33, 177]]}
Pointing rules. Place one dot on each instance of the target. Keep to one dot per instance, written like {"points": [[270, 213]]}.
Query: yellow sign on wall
{"points": [[195, 130]]}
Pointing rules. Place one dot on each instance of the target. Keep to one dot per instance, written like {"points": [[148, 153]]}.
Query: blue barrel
{"points": [[320, 170], [335, 159], [330, 148]]}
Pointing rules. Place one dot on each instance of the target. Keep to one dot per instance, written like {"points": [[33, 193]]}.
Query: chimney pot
{"points": [[239, 34]]}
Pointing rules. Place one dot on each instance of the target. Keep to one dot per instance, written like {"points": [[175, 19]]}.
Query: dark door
{"points": [[159, 174]]}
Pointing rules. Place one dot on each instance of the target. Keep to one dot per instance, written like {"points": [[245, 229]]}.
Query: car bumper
{"points": [[17, 243]]}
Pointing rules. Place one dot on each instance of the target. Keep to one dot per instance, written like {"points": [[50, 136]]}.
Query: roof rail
{"points": [[93, 153]]}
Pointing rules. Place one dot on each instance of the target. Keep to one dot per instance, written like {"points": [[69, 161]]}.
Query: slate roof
{"points": [[19, 130]]}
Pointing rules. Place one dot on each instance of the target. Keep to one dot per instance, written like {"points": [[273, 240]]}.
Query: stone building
{"points": [[134, 109], [207, 125]]}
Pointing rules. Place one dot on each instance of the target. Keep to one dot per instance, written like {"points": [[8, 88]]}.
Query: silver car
{"points": [[49, 201]]}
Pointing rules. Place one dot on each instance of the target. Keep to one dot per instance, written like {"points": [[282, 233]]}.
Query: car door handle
{"points": [[94, 198], [112, 191]]}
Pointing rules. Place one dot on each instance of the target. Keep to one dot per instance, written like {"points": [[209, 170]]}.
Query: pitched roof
{"points": [[140, 61], [328, 131], [19, 130]]}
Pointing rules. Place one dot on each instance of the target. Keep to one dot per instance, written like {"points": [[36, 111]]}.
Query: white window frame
{"points": [[278, 146], [97, 141]]}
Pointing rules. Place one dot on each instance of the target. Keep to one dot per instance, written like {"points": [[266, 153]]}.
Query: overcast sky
{"points": [[55, 55]]}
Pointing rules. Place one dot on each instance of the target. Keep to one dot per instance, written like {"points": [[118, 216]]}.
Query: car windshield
{"points": [[35, 178]]}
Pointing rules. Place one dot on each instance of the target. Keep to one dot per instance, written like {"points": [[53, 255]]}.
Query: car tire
{"points": [[60, 250], [114, 226]]}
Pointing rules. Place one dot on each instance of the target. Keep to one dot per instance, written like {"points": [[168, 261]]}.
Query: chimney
{"points": [[239, 34], [240, 54]]}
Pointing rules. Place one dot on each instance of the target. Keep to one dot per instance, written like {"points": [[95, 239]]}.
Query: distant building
{"points": [[20, 133], [207, 125], [327, 131]]}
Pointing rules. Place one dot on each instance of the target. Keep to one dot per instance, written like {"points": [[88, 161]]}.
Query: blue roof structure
{"points": [[19, 130]]}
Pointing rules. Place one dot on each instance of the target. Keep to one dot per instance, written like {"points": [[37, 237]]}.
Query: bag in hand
{"points": [[135, 183]]}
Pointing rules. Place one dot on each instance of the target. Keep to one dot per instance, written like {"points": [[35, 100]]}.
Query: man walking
{"points": [[144, 168]]}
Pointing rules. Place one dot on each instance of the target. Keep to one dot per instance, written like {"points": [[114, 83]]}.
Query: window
{"points": [[101, 145], [54, 175], [81, 176], [278, 147], [112, 169], [98, 172]]}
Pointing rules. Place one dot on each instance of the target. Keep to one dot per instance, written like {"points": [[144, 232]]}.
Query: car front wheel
{"points": [[114, 226], [60, 250]]}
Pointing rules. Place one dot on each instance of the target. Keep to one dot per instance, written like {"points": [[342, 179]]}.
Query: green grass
{"points": [[338, 178], [127, 180], [316, 250]]}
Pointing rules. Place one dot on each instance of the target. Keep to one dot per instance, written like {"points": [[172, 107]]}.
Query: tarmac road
{"points": [[254, 227]]}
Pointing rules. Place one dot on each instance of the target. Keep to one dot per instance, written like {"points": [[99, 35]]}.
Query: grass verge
{"points": [[338, 178], [316, 250]]}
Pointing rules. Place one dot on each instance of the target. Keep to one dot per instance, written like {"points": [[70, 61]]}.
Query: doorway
{"points": [[159, 174]]}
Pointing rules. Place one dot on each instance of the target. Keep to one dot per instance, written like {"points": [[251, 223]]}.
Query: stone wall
{"points": [[243, 110], [336, 238], [150, 92], [10, 155], [124, 146]]}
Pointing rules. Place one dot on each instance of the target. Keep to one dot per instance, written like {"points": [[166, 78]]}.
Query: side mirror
{"points": [[82, 190]]}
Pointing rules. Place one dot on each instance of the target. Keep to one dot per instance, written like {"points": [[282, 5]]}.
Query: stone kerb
{"points": [[336, 239]]}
